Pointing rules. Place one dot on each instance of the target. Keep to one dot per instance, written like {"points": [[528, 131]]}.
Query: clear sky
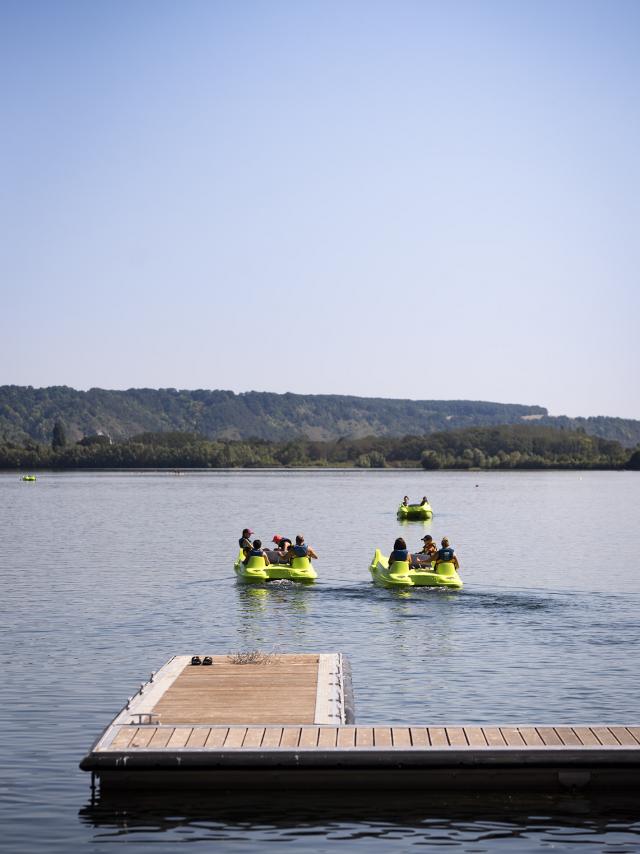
{"points": [[392, 199]]}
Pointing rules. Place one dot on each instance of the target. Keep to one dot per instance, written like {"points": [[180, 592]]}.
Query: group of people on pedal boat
{"points": [[283, 552], [405, 502], [428, 555]]}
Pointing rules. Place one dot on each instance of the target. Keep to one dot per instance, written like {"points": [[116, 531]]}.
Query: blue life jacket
{"points": [[446, 554], [399, 554], [300, 551], [256, 553]]}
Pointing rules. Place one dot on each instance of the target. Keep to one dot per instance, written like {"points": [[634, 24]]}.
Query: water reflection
{"points": [[271, 616], [424, 525], [253, 598], [279, 593], [527, 822]]}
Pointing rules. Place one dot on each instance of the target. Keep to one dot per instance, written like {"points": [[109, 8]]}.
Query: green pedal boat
{"points": [[400, 574], [418, 512], [256, 570]]}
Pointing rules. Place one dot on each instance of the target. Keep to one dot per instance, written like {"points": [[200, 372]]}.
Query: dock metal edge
{"points": [[611, 769]]}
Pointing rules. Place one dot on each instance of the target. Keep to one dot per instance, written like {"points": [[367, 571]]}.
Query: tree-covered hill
{"points": [[30, 413]]}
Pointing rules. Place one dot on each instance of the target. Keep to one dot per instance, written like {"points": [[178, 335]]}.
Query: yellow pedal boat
{"points": [[29, 478], [419, 512], [400, 574], [256, 570]]}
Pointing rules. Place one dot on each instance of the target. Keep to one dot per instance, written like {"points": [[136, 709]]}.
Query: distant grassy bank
{"points": [[491, 448]]}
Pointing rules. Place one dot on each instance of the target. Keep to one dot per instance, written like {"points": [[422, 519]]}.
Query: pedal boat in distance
{"points": [[255, 571], [417, 512], [400, 574]]}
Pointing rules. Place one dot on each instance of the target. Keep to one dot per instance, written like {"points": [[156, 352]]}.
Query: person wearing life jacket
{"points": [[428, 553], [446, 554], [244, 542], [301, 549], [424, 501], [405, 501], [256, 550], [400, 551]]}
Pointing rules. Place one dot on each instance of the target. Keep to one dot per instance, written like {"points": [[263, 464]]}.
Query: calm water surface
{"points": [[105, 576]]}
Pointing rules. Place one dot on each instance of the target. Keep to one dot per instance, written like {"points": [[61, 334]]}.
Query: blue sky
{"points": [[393, 199]]}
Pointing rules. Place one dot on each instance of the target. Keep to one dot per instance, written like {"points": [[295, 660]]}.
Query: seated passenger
{"points": [[257, 551], [301, 549], [446, 555], [405, 501], [424, 501], [429, 547], [280, 554], [283, 544], [400, 551], [427, 555], [244, 542]]}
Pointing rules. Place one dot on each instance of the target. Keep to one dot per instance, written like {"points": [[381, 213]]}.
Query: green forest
{"points": [[502, 447], [29, 414]]}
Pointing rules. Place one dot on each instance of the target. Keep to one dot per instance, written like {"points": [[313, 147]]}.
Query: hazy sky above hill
{"points": [[393, 199]]}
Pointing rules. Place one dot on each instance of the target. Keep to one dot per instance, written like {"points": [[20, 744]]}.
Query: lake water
{"points": [[106, 575]]}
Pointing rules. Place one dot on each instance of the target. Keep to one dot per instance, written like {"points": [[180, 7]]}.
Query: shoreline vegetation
{"points": [[500, 448]]}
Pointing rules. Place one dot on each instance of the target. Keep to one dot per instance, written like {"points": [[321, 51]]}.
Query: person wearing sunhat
{"points": [[244, 542]]}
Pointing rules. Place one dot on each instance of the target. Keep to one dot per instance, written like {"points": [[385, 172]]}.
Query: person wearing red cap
{"points": [[283, 544], [280, 554], [244, 542]]}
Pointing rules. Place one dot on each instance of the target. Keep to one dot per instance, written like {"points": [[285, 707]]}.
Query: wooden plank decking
{"points": [[282, 690], [287, 721], [371, 737]]}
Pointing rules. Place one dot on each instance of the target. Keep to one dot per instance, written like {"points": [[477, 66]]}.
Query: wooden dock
{"points": [[287, 720]]}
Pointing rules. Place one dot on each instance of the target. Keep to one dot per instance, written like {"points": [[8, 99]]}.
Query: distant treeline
{"points": [[505, 447], [30, 413]]}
